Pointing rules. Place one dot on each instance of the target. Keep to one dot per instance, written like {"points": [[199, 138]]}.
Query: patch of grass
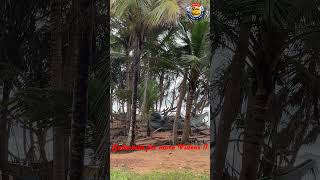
{"points": [[172, 175]]}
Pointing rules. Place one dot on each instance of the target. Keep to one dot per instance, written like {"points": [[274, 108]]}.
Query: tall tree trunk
{"points": [[213, 129], [173, 96], [56, 84], [24, 134], [186, 126], [41, 135], [69, 59], [254, 136], [202, 104], [129, 88], [196, 97], [215, 37], [135, 69], [268, 55], [145, 109], [145, 91], [161, 86], [42, 145], [232, 101], [31, 156], [105, 166], [4, 130], [192, 89], [80, 98], [58, 152], [148, 126], [178, 111]]}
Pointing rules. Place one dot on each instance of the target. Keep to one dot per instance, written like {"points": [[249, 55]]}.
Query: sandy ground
{"points": [[162, 160]]}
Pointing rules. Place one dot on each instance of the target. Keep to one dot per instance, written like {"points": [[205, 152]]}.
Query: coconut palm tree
{"points": [[142, 17], [232, 99], [84, 10], [195, 57], [122, 40], [17, 26], [275, 31], [273, 22], [179, 106], [56, 84]]}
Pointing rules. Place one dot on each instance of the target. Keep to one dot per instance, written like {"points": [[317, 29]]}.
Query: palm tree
{"points": [[143, 16], [197, 43], [56, 84], [123, 39], [16, 27], [144, 109], [232, 100], [271, 26], [179, 106], [274, 31], [84, 11], [4, 129]]}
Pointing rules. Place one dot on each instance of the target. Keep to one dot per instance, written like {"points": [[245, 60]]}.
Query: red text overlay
{"points": [[117, 147]]}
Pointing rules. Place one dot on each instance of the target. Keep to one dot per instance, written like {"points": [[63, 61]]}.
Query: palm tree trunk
{"points": [[58, 153], [41, 134], [232, 101], [213, 129], [173, 96], [105, 166], [254, 135], [135, 69], [56, 84], [189, 103], [178, 112], [269, 56], [186, 126], [79, 120], [129, 88], [80, 98], [148, 127], [144, 108], [4, 131], [196, 98], [42, 145], [68, 76], [161, 90], [146, 80], [24, 134], [202, 104], [31, 151]]}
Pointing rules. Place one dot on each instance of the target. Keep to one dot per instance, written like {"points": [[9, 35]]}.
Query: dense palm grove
{"points": [[268, 53], [256, 62], [153, 47], [52, 92], [56, 78]]}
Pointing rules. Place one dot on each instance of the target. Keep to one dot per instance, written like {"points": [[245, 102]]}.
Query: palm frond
{"points": [[165, 12], [199, 37]]}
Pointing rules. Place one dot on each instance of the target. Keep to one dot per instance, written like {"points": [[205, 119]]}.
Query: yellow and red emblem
{"points": [[195, 11]]}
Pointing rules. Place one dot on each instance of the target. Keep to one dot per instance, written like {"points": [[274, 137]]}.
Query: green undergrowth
{"points": [[172, 175]]}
